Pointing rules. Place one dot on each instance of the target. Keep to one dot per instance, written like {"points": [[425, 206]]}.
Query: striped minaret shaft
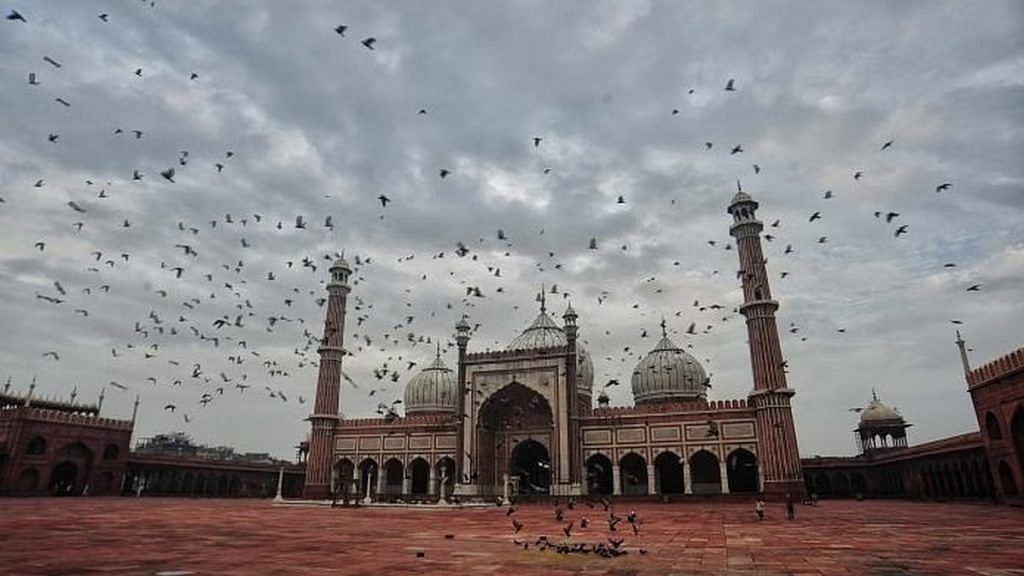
{"points": [[328, 387], [776, 435]]}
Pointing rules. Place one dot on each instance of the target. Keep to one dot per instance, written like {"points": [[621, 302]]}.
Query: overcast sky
{"points": [[320, 125]]}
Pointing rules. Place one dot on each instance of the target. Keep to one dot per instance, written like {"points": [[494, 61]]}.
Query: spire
{"points": [[874, 396], [103, 393], [7, 386], [664, 330], [963, 353], [135, 409], [739, 187], [439, 348], [543, 302], [74, 394]]}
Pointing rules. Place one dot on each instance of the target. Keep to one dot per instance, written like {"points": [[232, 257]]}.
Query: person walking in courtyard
{"points": [[759, 508], [790, 510]]}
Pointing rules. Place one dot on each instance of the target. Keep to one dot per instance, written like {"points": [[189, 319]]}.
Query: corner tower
{"points": [[776, 435], [328, 386]]}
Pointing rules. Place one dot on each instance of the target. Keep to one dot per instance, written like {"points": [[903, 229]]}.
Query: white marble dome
{"points": [[877, 413], [433, 389], [668, 374], [544, 333]]}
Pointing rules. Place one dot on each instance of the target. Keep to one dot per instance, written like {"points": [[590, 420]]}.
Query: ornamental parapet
{"points": [[526, 353], [670, 408], [410, 421], [998, 368], [59, 417]]}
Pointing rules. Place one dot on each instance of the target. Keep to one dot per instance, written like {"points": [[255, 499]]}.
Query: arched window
{"points": [[36, 446], [111, 452], [992, 427]]}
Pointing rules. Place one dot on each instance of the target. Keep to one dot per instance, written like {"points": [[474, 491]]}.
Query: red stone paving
{"points": [[225, 537]]}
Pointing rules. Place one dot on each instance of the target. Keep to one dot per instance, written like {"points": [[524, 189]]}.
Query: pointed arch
{"points": [[419, 475], [668, 473], [633, 474], [705, 473], [600, 477], [741, 469]]}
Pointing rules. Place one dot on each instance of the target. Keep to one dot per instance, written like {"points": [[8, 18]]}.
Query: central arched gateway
{"points": [[532, 465], [514, 431], [71, 474]]}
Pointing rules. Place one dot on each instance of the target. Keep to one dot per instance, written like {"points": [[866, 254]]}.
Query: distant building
{"points": [[63, 447], [60, 447], [985, 464]]}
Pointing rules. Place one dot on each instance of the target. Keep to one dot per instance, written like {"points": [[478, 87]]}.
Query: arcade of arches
{"points": [[668, 474], [412, 481]]}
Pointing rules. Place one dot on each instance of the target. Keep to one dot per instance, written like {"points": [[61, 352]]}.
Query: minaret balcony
{"points": [[759, 308]]}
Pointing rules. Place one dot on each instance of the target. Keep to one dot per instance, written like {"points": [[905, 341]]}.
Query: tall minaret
{"points": [[778, 456], [328, 386], [963, 353], [575, 454], [462, 467]]}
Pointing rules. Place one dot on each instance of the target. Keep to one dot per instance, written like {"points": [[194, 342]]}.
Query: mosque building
{"points": [[523, 420]]}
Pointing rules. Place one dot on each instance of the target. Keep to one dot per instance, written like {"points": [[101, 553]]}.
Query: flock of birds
{"points": [[210, 302], [605, 536]]}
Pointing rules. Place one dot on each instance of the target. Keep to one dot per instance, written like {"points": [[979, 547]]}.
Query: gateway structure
{"points": [[523, 420]]}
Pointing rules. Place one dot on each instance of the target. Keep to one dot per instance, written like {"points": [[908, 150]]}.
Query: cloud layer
{"points": [[624, 97]]}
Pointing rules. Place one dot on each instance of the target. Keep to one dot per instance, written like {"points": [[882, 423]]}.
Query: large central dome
{"points": [[544, 333], [668, 374]]}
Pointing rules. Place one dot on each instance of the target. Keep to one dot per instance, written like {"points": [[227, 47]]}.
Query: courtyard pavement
{"points": [[149, 536]]}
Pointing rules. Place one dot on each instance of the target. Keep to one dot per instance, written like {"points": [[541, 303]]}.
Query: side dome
{"points": [[878, 414], [432, 390], [543, 333], [668, 374]]}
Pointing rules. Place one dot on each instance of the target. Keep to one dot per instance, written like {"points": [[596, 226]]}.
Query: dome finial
{"points": [[739, 187], [664, 331], [439, 348], [541, 297], [874, 395]]}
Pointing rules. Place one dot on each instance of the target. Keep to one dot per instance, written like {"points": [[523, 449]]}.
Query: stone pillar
{"points": [[504, 487], [616, 480], [381, 482], [367, 499], [687, 478], [724, 472], [650, 480], [432, 486], [406, 486], [280, 483]]}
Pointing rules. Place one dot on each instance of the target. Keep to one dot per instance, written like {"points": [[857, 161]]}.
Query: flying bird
{"points": [[944, 186], [369, 42], [15, 15], [887, 145], [730, 86], [974, 288], [383, 200], [340, 29], [901, 230], [536, 141]]}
